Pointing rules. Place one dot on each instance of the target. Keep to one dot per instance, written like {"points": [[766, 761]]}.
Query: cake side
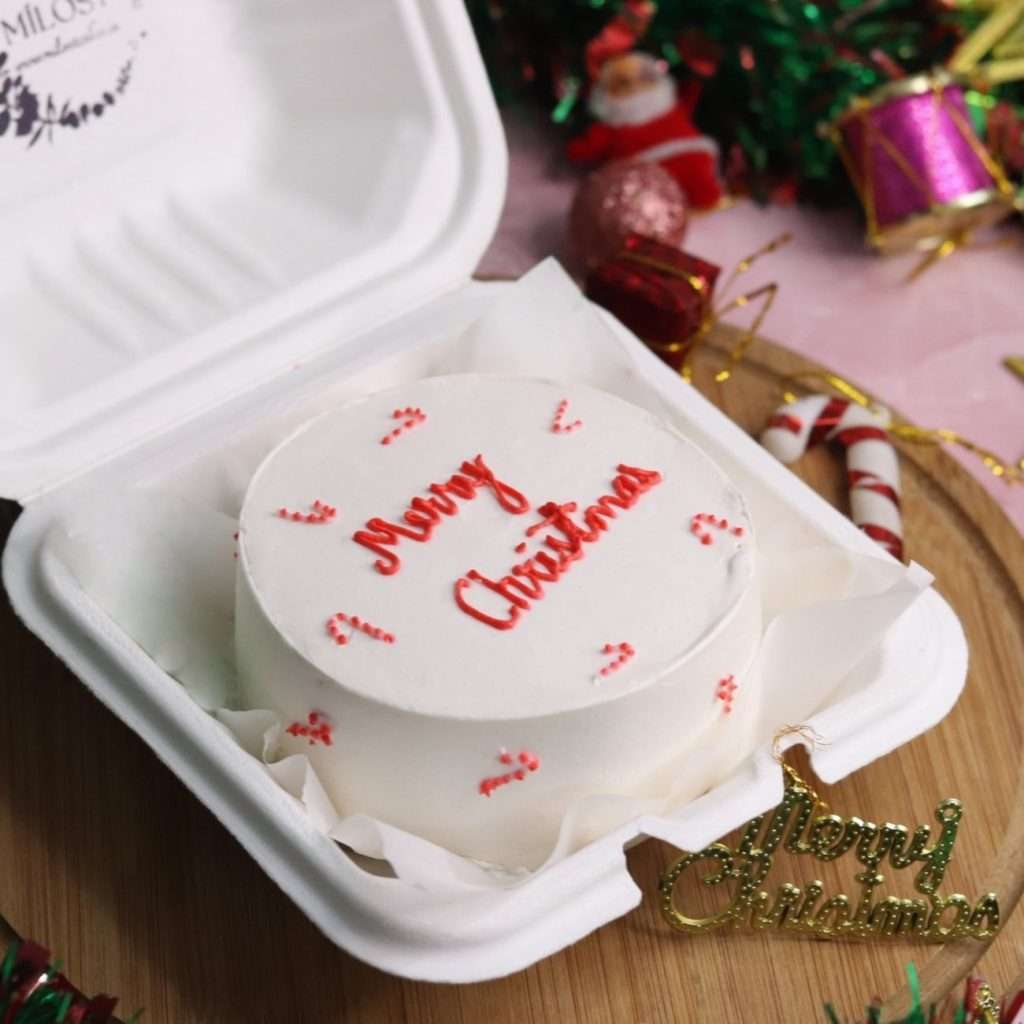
{"points": [[433, 777]]}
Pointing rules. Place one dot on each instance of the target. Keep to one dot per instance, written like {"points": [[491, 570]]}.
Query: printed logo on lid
{"points": [[64, 64]]}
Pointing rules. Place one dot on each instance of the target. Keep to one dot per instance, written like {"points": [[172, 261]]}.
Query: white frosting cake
{"points": [[477, 600]]}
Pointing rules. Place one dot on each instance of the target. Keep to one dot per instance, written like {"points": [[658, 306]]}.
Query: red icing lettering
{"points": [[550, 570], [423, 514], [524, 583], [489, 620]]}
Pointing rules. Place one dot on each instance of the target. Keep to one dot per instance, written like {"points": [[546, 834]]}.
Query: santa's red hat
{"points": [[620, 35]]}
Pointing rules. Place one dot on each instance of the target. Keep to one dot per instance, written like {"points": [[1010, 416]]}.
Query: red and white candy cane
{"points": [[872, 468]]}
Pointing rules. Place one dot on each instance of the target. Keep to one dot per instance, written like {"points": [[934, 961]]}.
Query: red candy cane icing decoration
{"points": [[423, 514], [322, 513], [558, 424], [727, 687], [872, 469], [335, 622], [702, 523], [410, 418], [316, 728], [527, 762], [624, 650]]}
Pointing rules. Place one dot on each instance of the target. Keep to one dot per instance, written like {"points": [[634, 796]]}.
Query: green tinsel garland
{"points": [[785, 67], [917, 1013]]}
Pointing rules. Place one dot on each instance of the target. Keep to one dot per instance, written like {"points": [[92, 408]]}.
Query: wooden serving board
{"points": [[107, 859]]}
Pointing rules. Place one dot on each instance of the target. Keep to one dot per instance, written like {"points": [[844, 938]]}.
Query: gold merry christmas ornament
{"points": [[795, 826]]}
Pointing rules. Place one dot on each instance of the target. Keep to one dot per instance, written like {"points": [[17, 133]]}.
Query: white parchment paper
{"points": [[157, 559]]}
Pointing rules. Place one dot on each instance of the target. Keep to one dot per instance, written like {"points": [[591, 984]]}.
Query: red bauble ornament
{"points": [[622, 199]]}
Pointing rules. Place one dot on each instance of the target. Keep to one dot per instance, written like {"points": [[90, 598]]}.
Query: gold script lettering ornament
{"points": [[794, 826]]}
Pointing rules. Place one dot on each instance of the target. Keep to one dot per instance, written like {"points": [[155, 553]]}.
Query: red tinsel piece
{"points": [[1013, 1008], [27, 978]]}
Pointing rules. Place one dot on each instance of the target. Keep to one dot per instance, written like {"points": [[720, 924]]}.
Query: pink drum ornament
{"points": [[922, 174]]}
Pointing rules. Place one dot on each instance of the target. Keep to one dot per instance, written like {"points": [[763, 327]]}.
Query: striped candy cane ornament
{"points": [[872, 468]]}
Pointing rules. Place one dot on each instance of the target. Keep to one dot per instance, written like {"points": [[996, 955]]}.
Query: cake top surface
{"points": [[493, 547]]}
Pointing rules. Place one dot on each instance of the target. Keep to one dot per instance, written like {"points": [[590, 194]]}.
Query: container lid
{"points": [[195, 197]]}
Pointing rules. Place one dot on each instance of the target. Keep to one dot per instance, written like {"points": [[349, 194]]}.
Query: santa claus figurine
{"points": [[642, 115]]}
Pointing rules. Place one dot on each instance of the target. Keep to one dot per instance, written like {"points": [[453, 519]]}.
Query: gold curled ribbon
{"points": [[959, 240], [949, 245], [985, 40], [1010, 473], [698, 284], [766, 292], [811, 739], [712, 317]]}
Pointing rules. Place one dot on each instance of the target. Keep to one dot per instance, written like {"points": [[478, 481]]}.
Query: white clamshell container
{"points": [[279, 194]]}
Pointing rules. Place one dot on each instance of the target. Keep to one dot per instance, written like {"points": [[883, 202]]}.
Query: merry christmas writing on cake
{"points": [[525, 582]]}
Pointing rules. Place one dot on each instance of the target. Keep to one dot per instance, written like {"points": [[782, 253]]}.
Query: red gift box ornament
{"points": [[666, 297], [660, 293]]}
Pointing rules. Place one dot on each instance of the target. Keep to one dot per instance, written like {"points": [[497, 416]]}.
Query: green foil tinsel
{"points": [[785, 68]]}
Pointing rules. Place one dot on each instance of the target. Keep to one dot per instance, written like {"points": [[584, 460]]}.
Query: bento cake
{"points": [[476, 601]]}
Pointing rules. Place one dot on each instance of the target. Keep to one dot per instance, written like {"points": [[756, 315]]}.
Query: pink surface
{"points": [[932, 348]]}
